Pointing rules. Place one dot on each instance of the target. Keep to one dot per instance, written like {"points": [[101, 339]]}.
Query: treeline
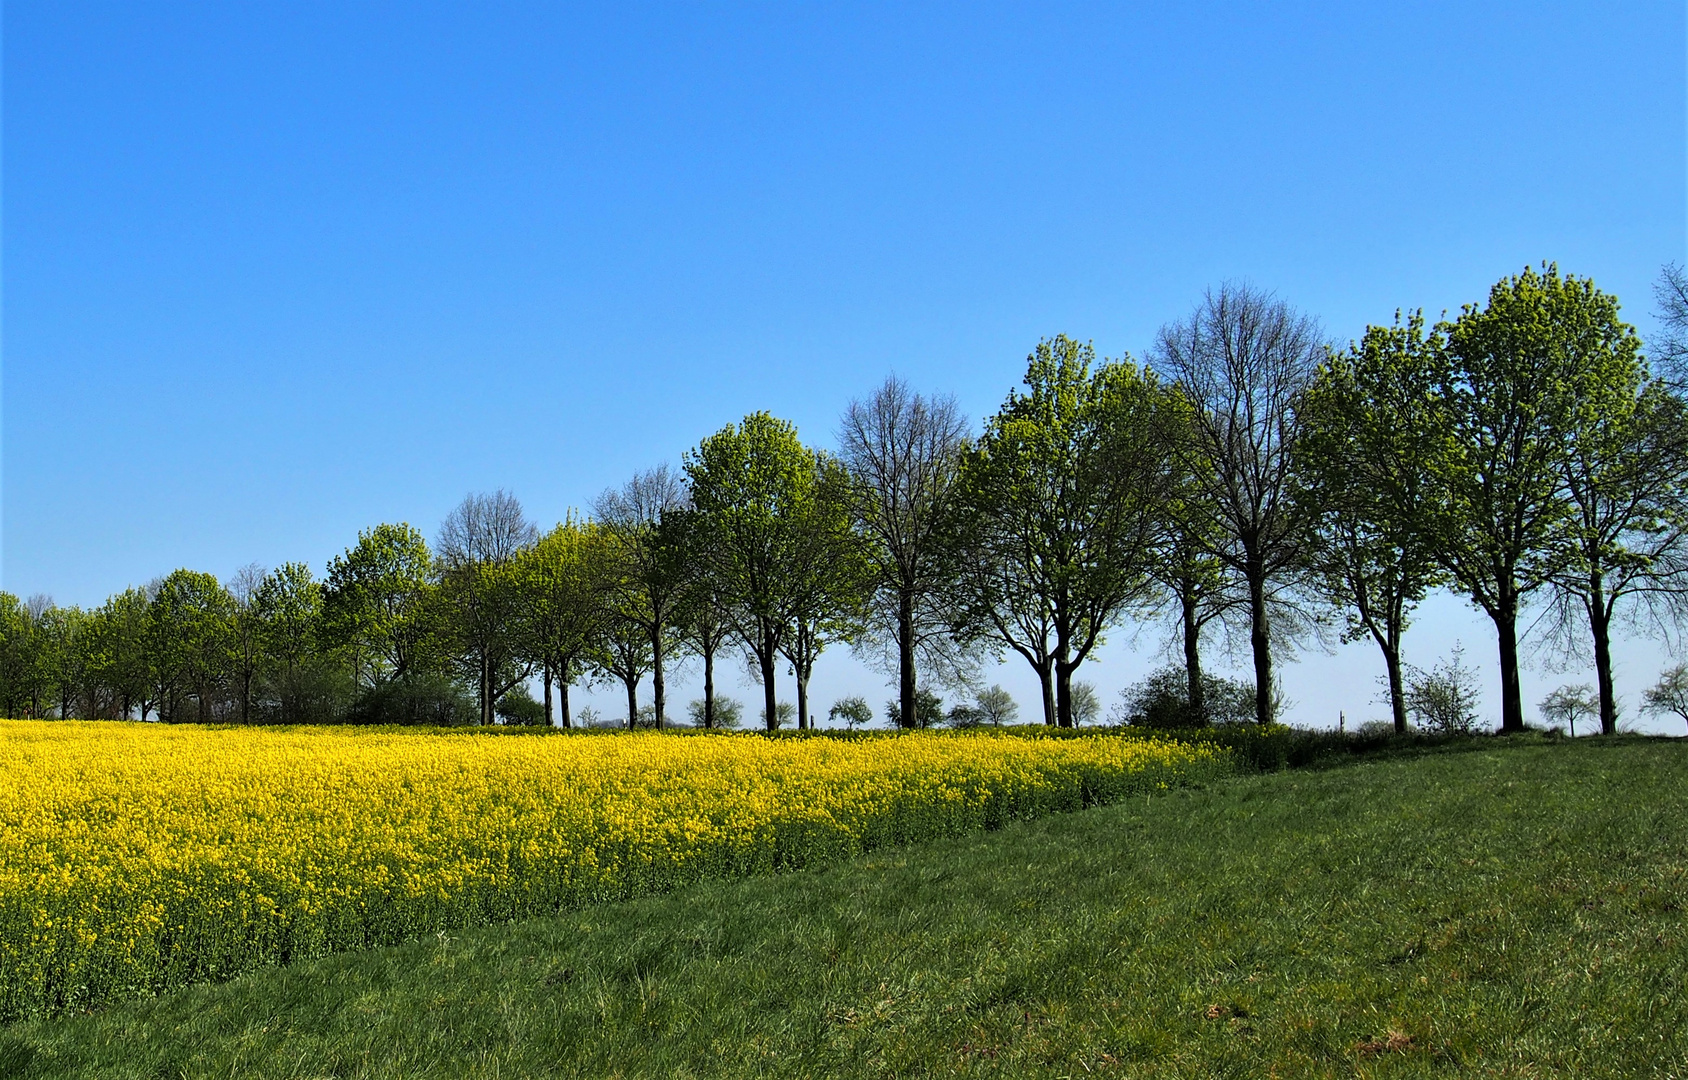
{"points": [[1248, 478]]}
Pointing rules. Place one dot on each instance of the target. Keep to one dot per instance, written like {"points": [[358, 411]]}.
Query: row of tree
{"points": [[1249, 478]]}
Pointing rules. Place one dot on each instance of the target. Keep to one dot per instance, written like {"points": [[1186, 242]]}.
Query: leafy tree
{"points": [[928, 710], [287, 608], [1061, 508], [1568, 704], [375, 604], [1162, 701], [1363, 480], [647, 522], [854, 711], [1518, 390], [1670, 694], [479, 593], [1625, 472], [565, 582], [727, 713], [903, 453], [622, 652], [753, 486], [17, 655], [59, 654], [192, 619], [1243, 359]]}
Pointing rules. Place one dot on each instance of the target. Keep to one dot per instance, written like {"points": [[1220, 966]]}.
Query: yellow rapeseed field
{"points": [[137, 857]]}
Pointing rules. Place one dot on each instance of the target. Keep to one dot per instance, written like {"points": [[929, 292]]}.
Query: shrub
{"points": [[1162, 701], [1443, 700]]}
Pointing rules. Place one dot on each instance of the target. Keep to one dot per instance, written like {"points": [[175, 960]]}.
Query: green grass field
{"points": [[1513, 909]]}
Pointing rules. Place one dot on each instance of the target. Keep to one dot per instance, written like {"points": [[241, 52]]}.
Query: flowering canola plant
{"points": [[135, 858]]}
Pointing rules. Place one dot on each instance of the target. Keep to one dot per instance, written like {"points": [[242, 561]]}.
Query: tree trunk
{"points": [[1511, 696], [1046, 679], [708, 687], [905, 657], [545, 679], [1397, 692], [660, 703], [1260, 639], [563, 700], [1193, 657], [765, 654], [1600, 623], [632, 703], [486, 691]]}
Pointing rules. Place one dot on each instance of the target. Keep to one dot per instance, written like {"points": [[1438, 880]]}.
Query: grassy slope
{"points": [[1516, 910]]}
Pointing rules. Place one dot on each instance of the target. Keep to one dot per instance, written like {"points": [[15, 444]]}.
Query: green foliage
{"points": [[729, 712], [855, 712], [928, 709], [376, 604], [419, 699], [1060, 505], [1161, 701], [518, 707]]}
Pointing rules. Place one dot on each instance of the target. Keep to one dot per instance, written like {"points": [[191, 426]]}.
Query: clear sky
{"points": [[275, 273]]}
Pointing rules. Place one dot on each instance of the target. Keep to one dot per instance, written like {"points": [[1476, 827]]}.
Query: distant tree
{"points": [[1517, 391], [479, 592], [1061, 508], [246, 647], [997, 706], [903, 453], [1568, 704], [622, 653], [1670, 694], [753, 486], [192, 619], [287, 609], [1161, 701], [1243, 360], [727, 713], [60, 654], [375, 604], [704, 622], [1087, 707], [17, 660], [647, 522], [1364, 482], [855, 712]]}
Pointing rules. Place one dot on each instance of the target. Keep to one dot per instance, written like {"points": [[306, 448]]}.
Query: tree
{"points": [[59, 654], [116, 654], [246, 653], [1243, 359], [997, 706], [192, 627], [1670, 694], [17, 660], [375, 604], [623, 652], [832, 581], [1625, 472], [854, 711], [646, 520], [1363, 482], [478, 545], [1568, 704], [1670, 349], [752, 486], [1517, 390], [903, 453], [565, 581], [1061, 510], [287, 608]]}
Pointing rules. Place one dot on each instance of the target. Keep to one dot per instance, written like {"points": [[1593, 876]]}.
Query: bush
{"points": [[518, 708], [1162, 701], [1443, 700], [928, 708], [415, 701]]}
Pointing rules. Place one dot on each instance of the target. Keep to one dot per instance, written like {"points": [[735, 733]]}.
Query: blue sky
{"points": [[273, 274]]}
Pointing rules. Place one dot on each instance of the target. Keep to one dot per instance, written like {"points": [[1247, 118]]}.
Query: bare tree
{"points": [[1670, 349], [248, 637], [903, 452], [477, 549], [645, 519], [1244, 358]]}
